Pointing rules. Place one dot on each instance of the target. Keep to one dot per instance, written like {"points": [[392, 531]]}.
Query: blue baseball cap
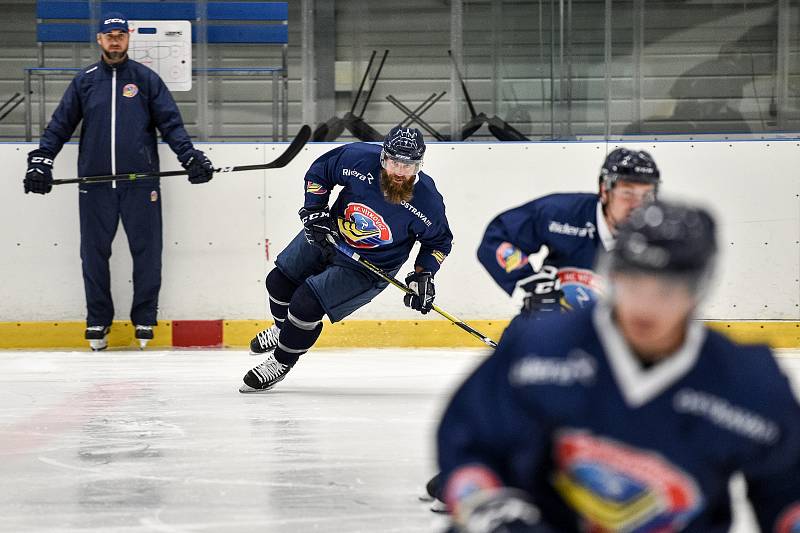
{"points": [[113, 21]]}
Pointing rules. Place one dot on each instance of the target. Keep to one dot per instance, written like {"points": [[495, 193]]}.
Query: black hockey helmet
{"points": [[404, 145], [629, 165], [667, 239]]}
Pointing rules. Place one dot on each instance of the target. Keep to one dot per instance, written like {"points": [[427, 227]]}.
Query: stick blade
{"points": [[294, 148]]}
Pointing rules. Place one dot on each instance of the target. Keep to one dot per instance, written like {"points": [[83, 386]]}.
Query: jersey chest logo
{"points": [[581, 287], [364, 228], [615, 487], [130, 90]]}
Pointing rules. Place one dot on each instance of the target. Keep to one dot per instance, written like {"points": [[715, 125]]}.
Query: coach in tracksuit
{"points": [[121, 103]]}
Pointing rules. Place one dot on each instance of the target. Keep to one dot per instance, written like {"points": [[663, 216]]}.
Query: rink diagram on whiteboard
{"points": [[166, 47]]}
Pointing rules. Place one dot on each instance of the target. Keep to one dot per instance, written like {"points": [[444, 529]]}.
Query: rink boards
{"points": [[220, 240]]}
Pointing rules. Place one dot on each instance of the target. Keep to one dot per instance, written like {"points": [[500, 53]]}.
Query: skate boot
{"points": [[265, 341], [144, 334], [265, 376], [97, 337]]}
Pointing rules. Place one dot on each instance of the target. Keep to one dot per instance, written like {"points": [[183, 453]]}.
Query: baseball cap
{"points": [[113, 21]]}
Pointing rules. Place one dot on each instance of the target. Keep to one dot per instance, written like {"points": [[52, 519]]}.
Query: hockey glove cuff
{"points": [[543, 292], [424, 292], [500, 511], [39, 176], [198, 166], [317, 225]]}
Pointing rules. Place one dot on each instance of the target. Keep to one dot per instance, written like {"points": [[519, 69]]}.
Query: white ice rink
{"points": [[162, 441]]}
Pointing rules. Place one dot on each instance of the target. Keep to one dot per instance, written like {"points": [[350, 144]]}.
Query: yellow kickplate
{"points": [[349, 333], [18, 335], [376, 334], [778, 334]]}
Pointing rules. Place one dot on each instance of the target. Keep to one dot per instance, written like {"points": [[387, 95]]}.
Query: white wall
{"points": [[214, 235]]}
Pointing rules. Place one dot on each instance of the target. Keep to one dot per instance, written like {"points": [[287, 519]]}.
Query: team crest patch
{"points": [[615, 487], [130, 90], [581, 287], [315, 188], [509, 257], [153, 196], [364, 228]]}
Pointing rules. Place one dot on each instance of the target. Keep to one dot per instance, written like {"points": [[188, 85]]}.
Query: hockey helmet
{"points": [[629, 165], [403, 145], [666, 239]]}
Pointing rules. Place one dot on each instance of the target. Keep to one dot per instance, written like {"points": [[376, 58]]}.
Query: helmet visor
{"points": [[400, 165]]}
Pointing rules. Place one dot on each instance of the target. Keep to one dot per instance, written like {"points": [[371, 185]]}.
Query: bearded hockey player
{"points": [[384, 207], [629, 415], [573, 227]]}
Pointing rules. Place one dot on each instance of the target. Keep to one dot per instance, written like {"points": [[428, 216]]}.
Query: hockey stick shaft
{"points": [[374, 82], [281, 161], [463, 85], [363, 81], [352, 254], [414, 116], [406, 122]]}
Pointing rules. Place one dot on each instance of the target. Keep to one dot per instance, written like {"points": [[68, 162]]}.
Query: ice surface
{"points": [[162, 441]]}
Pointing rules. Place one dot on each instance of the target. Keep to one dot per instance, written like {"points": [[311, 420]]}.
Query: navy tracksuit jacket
{"points": [[121, 107]]}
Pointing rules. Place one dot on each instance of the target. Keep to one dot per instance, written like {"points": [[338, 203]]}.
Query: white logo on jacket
{"points": [[355, 173], [565, 228]]}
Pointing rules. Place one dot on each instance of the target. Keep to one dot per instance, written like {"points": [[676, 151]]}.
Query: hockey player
{"points": [[629, 415], [573, 227], [385, 205], [120, 104]]}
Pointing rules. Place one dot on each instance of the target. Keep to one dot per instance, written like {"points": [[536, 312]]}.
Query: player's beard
{"points": [[396, 192], [115, 56]]}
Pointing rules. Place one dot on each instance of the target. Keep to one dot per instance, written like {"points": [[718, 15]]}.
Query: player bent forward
{"points": [[629, 416], [385, 205]]}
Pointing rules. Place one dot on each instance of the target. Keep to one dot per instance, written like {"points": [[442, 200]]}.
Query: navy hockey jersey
{"points": [[565, 412], [121, 107], [382, 232], [567, 223]]}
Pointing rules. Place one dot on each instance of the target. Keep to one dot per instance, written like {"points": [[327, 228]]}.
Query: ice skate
{"points": [[144, 334], [265, 341], [97, 337], [265, 376]]}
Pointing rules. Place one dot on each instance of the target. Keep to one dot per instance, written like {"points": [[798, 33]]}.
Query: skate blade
{"points": [[439, 507], [247, 389], [98, 345], [143, 343]]}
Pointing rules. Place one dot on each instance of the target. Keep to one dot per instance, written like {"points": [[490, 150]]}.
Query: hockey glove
{"points": [[543, 292], [500, 511], [424, 292], [317, 226], [198, 166], [39, 177]]}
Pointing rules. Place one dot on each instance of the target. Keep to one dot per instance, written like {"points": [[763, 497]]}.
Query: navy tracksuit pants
{"points": [[101, 208]]}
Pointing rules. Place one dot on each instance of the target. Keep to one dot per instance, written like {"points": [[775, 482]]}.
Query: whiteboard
{"points": [[166, 47]]}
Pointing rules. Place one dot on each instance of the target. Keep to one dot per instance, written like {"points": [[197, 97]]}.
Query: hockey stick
{"points": [[352, 254], [282, 160]]}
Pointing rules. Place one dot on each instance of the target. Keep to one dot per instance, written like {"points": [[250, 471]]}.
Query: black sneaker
{"points": [[97, 337], [265, 376], [144, 334], [265, 341]]}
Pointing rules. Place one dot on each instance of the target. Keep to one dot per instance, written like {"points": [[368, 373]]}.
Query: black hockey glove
{"points": [[501, 511], [39, 177], [198, 166], [424, 292], [543, 292], [317, 225]]}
